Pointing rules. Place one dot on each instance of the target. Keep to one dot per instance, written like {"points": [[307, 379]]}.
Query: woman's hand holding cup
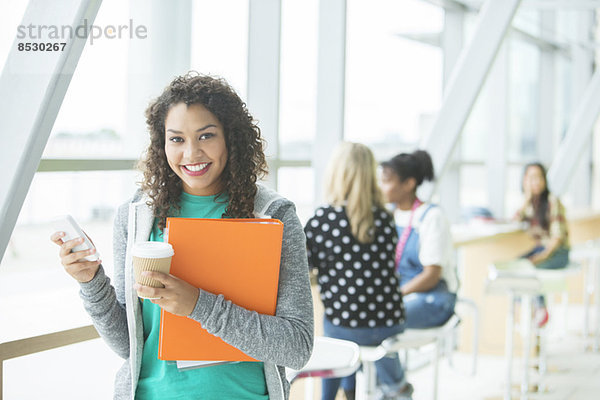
{"points": [[151, 266], [177, 297]]}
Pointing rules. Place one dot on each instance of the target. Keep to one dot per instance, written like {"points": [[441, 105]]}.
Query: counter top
{"points": [[463, 234]]}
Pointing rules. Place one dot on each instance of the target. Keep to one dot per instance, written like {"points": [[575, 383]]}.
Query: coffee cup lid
{"points": [[152, 250]]}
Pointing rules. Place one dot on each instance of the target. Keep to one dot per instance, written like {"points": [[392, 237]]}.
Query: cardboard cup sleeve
{"points": [[150, 264]]}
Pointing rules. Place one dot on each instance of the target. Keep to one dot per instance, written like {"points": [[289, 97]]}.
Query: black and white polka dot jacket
{"points": [[358, 285]]}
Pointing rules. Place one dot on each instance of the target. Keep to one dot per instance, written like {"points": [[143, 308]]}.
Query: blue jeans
{"points": [[559, 259], [390, 375], [429, 309]]}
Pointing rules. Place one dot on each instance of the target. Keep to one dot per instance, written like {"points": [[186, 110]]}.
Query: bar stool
{"points": [[554, 281], [520, 279], [331, 358], [366, 378], [523, 287]]}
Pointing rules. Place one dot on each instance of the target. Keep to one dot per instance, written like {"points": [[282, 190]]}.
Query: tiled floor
{"points": [[573, 374], [88, 369]]}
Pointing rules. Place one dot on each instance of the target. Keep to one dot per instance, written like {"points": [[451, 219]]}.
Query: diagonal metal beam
{"points": [[576, 139], [466, 82], [32, 88]]}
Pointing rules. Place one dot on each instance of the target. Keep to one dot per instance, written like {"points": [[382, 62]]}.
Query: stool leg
{"points": [[543, 352], [369, 384], [552, 326], [475, 346], [510, 326], [540, 354], [565, 310], [360, 390], [587, 291], [309, 388], [436, 360], [597, 301], [363, 389], [450, 346], [526, 304]]}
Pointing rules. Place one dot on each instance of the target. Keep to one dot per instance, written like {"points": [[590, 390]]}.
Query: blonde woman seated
{"points": [[351, 244]]}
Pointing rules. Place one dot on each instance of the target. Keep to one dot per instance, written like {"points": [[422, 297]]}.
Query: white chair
{"points": [[366, 379], [331, 358]]}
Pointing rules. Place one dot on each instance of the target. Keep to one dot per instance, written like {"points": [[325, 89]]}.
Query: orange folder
{"points": [[238, 258]]}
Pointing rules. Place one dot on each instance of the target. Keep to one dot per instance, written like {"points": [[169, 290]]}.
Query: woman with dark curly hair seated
{"points": [[203, 161], [424, 255]]}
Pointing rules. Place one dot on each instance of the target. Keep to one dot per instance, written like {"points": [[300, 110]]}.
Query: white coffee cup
{"points": [[151, 256]]}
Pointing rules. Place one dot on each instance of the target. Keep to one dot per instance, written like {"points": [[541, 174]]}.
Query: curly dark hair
{"points": [[245, 161]]}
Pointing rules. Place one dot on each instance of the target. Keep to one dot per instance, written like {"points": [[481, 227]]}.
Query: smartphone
{"points": [[70, 227]]}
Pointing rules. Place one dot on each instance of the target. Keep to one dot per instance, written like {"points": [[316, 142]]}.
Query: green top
{"points": [[161, 379]]}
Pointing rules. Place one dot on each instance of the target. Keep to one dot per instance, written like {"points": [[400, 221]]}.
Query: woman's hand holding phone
{"points": [[75, 263]]}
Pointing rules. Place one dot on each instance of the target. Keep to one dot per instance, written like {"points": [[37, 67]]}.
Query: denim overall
{"points": [[423, 309]]}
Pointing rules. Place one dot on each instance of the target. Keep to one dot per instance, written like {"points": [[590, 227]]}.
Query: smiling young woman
{"points": [[204, 159]]}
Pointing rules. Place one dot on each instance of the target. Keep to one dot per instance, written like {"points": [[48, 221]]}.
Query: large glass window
{"points": [[92, 119], [298, 88], [220, 40], [91, 124], [393, 83], [475, 132], [563, 103], [523, 100], [521, 95], [514, 193], [473, 187], [301, 194]]}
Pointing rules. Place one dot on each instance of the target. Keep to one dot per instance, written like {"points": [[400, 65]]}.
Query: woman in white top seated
{"points": [[424, 254]]}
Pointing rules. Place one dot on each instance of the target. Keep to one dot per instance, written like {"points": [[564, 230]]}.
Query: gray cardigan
{"points": [[283, 340]]}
